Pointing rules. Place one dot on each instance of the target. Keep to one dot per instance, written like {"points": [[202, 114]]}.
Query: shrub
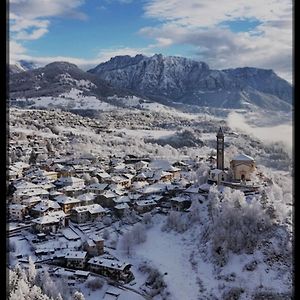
{"points": [[95, 284]]}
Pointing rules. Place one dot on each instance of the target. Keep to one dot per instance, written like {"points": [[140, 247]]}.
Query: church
{"points": [[241, 166]]}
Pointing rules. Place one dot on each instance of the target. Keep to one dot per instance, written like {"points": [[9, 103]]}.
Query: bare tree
{"points": [[139, 233], [127, 243], [32, 272]]}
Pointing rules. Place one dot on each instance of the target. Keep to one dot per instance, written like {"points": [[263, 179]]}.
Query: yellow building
{"points": [[242, 166]]}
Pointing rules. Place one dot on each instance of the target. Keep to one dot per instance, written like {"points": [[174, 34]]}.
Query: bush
{"points": [[176, 221], [95, 284], [233, 294]]}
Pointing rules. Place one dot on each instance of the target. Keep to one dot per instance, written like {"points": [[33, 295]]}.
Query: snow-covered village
{"points": [[149, 150], [105, 208]]}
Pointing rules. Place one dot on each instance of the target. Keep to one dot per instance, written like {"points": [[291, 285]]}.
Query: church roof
{"points": [[243, 157], [220, 132]]}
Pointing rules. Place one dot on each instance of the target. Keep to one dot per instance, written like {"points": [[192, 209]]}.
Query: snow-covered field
{"points": [[168, 253]]}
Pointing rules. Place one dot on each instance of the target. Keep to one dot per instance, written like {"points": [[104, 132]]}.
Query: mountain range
{"points": [[57, 78], [170, 80]]}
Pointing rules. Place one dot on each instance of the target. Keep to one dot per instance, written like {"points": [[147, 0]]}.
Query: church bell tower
{"points": [[220, 149]]}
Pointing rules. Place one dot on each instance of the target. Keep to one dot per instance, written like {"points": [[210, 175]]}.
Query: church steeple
{"points": [[220, 149]]}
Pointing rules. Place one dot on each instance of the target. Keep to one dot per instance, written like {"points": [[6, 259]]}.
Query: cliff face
{"points": [[178, 79]]}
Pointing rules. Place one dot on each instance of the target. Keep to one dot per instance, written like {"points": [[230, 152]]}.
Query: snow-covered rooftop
{"points": [[92, 209], [108, 263], [76, 254], [243, 157]]}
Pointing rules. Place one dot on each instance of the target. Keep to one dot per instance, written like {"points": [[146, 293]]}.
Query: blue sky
{"points": [[86, 32]]}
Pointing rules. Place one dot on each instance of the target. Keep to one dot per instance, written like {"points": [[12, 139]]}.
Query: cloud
{"points": [[17, 52], [201, 24], [34, 9], [29, 20], [205, 13], [33, 35], [282, 133]]}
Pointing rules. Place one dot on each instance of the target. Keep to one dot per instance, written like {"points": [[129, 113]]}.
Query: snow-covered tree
{"points": [[214, 198], [194, 211], [175, 221], [105, 234], [129, 216], [86, 177], [139, 233], [78, 296], [239, 226], [106, 220], [127, 243], [94, 180], [202, 173], [147, 220], [32, 272]]}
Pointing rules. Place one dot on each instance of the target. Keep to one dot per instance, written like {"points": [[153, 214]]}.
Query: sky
{"points": [[224, 34]]}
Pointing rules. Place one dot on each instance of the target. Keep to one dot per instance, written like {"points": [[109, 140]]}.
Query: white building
{"points": [[17, 211]]}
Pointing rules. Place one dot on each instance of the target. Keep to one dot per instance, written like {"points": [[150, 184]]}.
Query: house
{"points": [[76, 259], [112, 269], [103, 177], [82, 169], [161, 175], [175, 171], [44, 207], [24, 185], [74, 182], [48, 186], [106, 199], [14, 172], [67, 203], [17, 211], [22, 194], [38, 173], [182, 165], [94, 246], [119, 209], [121, 180], [81, 275], [180, 203], [242, 167], [32, 201], [121, 199], [72, 191], [65, 171], [141, 165], [217, 176], [140, 177], [87, 198], [54, 194], [49, 223], [143, 206], [88, 212], [96, 188]]}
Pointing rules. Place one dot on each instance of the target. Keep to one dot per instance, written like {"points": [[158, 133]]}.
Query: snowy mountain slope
{"points": [[178, 79], [21, 66], [57, 78]]}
